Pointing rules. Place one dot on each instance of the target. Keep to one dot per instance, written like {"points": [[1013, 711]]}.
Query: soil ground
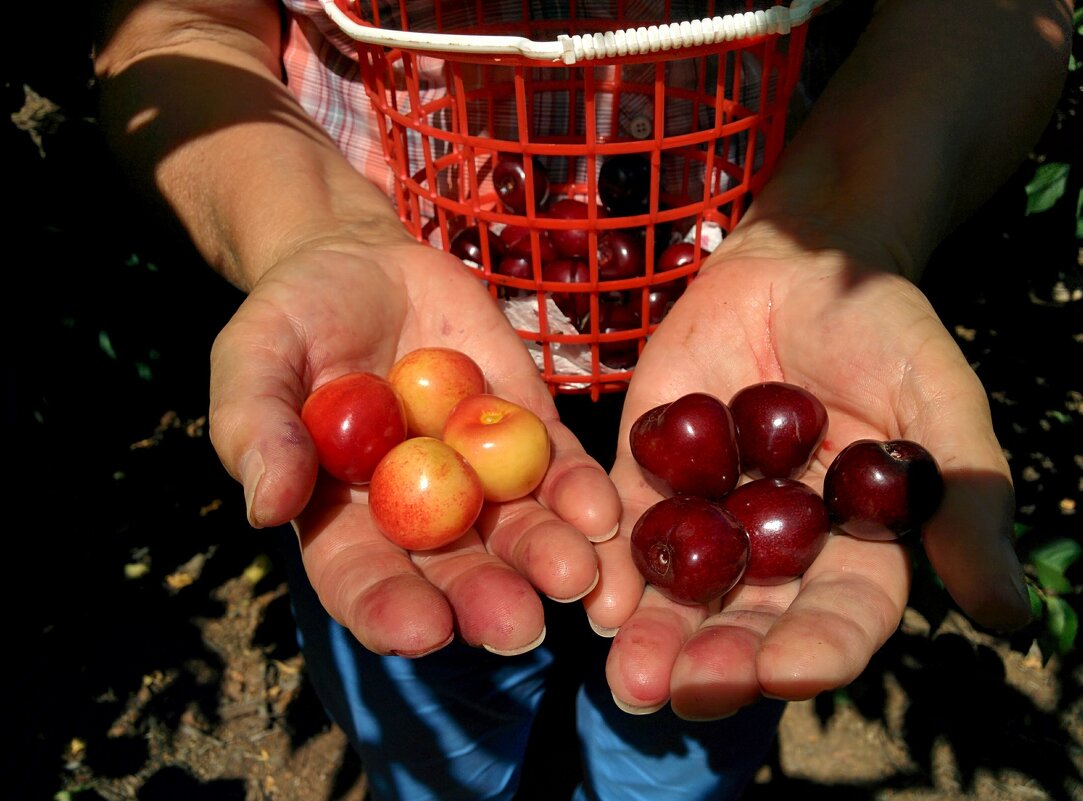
{"points": [[154, 656]]}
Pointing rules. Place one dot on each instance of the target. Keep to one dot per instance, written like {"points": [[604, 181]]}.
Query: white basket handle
{"points": [[570, 49]]}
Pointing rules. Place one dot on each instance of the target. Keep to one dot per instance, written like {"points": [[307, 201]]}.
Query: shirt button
{"points": [[640, 127]]}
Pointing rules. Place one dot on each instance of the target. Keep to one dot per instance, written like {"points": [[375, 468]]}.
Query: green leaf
{"points": [[106, 344], [1021, 529], [1052, 560], [1079, 216], [1062, 624], [1037, 601], [1047, 186]]}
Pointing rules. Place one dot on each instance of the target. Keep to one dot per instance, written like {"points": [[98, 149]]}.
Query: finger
{"points": [[553, 556], [255, 392], [618, 590], [495, 608], [643, 652], [969, 541], [577, 489], [851, 600], [366, 583], [620, 584], [969, 544], [715, 673]]}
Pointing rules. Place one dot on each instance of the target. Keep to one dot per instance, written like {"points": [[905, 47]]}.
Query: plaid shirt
{"points": [[321, 70]]}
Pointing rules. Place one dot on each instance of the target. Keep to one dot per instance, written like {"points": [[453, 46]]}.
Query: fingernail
{"points": [[517, 651], [706, 718], [602, 631], [607, 536], [252, 469], [636, 710], [426, 652], [583, 594]]}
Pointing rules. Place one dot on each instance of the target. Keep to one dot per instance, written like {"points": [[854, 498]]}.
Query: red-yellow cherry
{"points": [[354, 420], [424, 494], [430, 382]]}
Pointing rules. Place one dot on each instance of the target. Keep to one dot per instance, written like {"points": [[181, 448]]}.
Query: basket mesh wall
{"points": [[705, 124]]}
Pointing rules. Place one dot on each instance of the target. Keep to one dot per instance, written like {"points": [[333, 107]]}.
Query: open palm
{"points": [[334, 309], [869, 345]]}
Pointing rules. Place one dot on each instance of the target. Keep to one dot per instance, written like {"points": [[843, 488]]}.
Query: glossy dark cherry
{"points": [[678, 255], [690, 444], [575, 305], [572, 243], [787, 525], [660, 297], [620, 255], [516, 267], [779, 428], [690, 549], [620, 354], [663, 295], [510, 182], [882, 490], [517, 241], [624, 184], [466, 245]]}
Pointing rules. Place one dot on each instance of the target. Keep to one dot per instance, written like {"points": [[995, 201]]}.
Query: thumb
{"points": [[969, 541], [255, 425]]}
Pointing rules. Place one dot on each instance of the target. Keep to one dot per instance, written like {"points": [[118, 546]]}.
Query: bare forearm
{"points": [[937, 105], [193, 103]]}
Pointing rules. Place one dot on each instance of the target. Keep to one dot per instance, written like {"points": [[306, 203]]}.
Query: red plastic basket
{"points": [[689, 115]]}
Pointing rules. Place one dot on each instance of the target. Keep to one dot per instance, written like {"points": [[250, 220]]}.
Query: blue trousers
{"points": [[463, 724]]}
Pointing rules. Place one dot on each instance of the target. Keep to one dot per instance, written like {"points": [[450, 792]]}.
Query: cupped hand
{"points": [[871, 347], [334, 308]]}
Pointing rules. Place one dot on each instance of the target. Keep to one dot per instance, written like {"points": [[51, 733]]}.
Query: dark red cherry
{"points": [[620, 255], [787, 525], [678, 255], [510, 180], [690, 549], [517, 241], [572, 243], [882, 490], [624, 184], [466, 245], [690, 444], [516, 267], [574, 305], [620, 354], [660, 297], [779, 428]]}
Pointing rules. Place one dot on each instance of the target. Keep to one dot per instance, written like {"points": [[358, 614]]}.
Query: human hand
{"points": [[870, 346], [333, 308]]}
